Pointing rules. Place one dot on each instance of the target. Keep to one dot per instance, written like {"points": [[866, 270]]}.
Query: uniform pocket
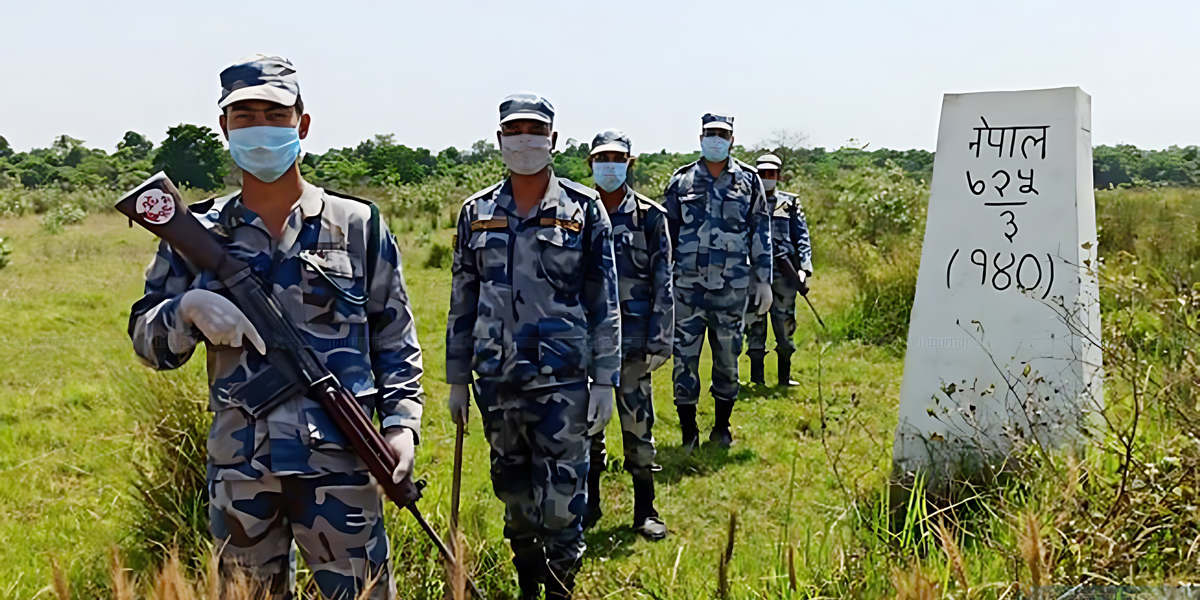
{"points": [[322, 433], [633, 245], [730, 250], [734, 211], [561, 257], [489, 331], [491, 254], [560, 349], [333, 285]]}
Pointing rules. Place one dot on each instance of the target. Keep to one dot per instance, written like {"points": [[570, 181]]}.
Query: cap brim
{"points": [[525, 116], [269, 93], [718, 125], [609, 147], [767, 167]]}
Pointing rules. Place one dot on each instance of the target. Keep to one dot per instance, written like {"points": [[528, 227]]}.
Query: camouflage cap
{"points": [[526, 106], [611, 140], [260, 77], [769, 161], [711, 121]]}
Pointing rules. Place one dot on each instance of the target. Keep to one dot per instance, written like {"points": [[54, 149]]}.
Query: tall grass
{"points": [[1122, 511], [170, 492]]}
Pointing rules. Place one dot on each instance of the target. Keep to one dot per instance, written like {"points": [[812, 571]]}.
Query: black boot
{"points": [[560, 584], [720, 433], [785, 371], [593, 496], [687, 426], [645, 518], [531, 572], [756, 370]]}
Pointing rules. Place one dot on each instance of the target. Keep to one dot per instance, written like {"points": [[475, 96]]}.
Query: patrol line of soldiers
{"points": [[564, 300]]}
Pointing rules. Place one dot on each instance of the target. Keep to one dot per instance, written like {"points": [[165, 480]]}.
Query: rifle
{"points": [[156, 206], [785, 267]]}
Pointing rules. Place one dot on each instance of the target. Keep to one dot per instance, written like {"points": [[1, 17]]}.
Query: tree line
{"points": [[195, 156]]}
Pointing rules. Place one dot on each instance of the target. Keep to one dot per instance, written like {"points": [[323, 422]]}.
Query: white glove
{"points": [[459, 403], [763, 297], [657, 361], [222, 322], [600, 407], [401, 440]]}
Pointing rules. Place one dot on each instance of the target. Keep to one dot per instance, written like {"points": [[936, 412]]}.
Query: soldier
{"points": [[720, 225], [789, 241], [647, 325], [533, 317], [289, 474]]}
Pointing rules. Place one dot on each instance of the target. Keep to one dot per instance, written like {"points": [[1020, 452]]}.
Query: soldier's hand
{"points": [[803, 289], [600, 407], [401, 440], [460, 403], [657, 361], [221, 321], [763, 297]]}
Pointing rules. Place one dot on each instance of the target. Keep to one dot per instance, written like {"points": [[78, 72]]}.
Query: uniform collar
{"points": [[731, 166], [551, 200], [310, 204], [629, 203], [312, 201]]}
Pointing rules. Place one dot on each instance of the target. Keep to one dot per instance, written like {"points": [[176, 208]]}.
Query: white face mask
{"points": [[525, 154], [715, 148], [769, 184], [609, 176]]}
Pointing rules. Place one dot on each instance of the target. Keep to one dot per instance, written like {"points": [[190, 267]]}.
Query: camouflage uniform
{"points": [[290, 474], [789, 239], [647, 321], [534, 314], [721, 231]]}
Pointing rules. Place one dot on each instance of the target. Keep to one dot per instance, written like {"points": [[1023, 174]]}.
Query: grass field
{"points": [[68, 440], [806, 477]]}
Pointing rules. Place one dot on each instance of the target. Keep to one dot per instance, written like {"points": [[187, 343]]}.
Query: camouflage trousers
{"points": [[335, 519], [539, 456], [720, 314], [783, 322], [635, 408]]}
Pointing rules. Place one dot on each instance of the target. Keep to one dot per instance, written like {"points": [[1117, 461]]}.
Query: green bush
{"points": [[440, 256], [60, 216], [5, 252]]}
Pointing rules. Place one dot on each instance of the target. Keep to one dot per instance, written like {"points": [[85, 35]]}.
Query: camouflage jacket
{"points": [[789, 231], [367, 338], [721, 227], [534, 300], [643, 249]]}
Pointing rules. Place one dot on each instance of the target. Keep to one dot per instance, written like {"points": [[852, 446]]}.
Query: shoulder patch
{"points": [[496, 223], [573, 226], [348, 197]]}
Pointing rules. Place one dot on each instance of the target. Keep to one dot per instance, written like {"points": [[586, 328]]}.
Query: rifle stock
{"points": [[286, 350], [784, 267]]}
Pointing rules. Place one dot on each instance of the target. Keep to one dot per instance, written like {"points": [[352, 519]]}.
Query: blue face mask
{"points": [[609, 175], [715, 149], [265, 152]]}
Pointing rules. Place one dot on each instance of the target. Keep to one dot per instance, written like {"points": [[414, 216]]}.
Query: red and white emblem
{"points": [[156, 206]]}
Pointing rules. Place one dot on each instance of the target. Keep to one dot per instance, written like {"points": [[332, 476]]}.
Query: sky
{"points": [[434, 72]]}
